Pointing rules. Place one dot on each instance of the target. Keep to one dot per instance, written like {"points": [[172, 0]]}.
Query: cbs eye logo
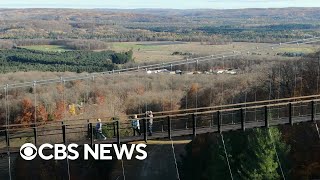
{"points": [[28, 151]]}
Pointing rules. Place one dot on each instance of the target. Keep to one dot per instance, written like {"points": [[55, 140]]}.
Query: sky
{"points": [[172, 4]]}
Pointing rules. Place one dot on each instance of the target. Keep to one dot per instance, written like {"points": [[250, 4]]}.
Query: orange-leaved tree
{"points": [[27, 113]]}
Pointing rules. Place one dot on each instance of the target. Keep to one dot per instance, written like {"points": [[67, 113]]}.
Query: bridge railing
{"points": [[164, 126], [195, 110]]}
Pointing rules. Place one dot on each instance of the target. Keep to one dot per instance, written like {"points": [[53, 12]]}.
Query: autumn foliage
{"points": [[27, 114], [59, 110]]}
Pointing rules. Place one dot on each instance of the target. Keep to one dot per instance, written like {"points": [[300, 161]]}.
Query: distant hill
{"points": [[159, 24]]}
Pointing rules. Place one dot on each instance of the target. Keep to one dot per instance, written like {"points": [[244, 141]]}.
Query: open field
{"points": [[47, 48], [303, 49], [162, 51]]}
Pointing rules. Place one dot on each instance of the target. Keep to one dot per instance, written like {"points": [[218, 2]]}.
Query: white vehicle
{"points": [[221, 71]]}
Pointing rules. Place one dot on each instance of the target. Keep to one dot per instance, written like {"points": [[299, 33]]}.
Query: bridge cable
{"points": [[172, 146], [318, 75], [279, 88], [146, 79], [123, 171], [226, 155], [86, 103], [222, 88], [175, 159], [171, 100], [206, 58], [278, 160], [198, 85], [255, 99], [7, 130], [64, 118], [246, 91], [186, 84], [118, 90], [35, 103], [122, 164], [317, 128], [316, 125]]}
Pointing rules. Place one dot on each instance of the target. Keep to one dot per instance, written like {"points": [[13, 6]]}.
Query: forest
{"points": [[19, 26], [14, 60]]}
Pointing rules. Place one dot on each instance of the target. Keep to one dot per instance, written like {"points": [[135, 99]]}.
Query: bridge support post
{"points": [[219, 121], [7, 137], [243, 128], [88, 129], [118, 132], [211, 120], [145, 130], [186, 124], [91, 134], [162, 126], [169, 127], [114, 129], [312, 112], [64, 134], [35, 135], [194, 125], [290, 114], [266, 119]]}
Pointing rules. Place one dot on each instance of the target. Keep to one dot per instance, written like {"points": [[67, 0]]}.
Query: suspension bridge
{"points": [[166, 124], [169, 124]]}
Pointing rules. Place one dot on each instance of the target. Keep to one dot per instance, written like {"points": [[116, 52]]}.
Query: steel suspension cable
{"points": [[7, 130], [171, 100], [275, 149], [175, 63], [123, 171], [317, 128], [226, 155], [186, 84], [197, 85], [172, 146], [64, 118], [118, 118], [279, 88], [175, 160]]}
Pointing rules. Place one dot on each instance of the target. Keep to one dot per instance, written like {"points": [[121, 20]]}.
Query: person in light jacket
{"points": [[99, 130], [136, 125], [150, 122]]}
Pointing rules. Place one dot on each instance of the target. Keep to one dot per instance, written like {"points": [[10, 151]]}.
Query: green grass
{"points": [[297, 50], [48, 48], [135, 46]]}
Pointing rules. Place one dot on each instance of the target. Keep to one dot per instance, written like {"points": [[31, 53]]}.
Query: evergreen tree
{"points": [[252, 155]]}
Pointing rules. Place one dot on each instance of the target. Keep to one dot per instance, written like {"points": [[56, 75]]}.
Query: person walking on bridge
{"points": [[150, 122], [99, 130], [136, 125]]}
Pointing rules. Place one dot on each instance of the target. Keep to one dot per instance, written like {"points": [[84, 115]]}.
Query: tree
{"points": [[72, 109], [60, 108], [259, 161], [251, 155], [27, 114], [42, 114]]}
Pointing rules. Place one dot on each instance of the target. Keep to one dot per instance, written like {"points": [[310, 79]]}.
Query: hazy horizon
{"points": [[164, 4]]}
